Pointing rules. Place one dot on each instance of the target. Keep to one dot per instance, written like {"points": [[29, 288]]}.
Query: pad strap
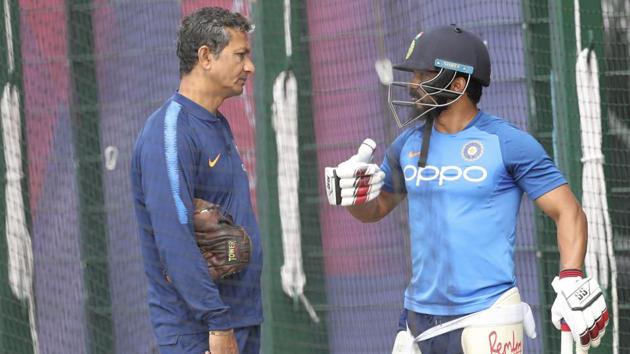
{"points": [[497, 315]]}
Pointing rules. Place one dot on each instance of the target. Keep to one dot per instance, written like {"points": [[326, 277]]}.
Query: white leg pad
{"points": [[504, 338], [405, 344]]}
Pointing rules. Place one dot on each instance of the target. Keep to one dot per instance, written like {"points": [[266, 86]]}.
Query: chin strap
{"points": [[426, 135], [426, 139]]}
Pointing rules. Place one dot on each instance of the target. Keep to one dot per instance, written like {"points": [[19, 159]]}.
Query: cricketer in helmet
{"points": [[463, 204]]}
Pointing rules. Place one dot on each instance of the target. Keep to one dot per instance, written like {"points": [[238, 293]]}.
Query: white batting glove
{"points": [[581, 304], [356, 180]]}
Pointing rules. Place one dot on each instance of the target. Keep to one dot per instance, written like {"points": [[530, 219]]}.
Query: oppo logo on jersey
{"points": [[443, 174]]}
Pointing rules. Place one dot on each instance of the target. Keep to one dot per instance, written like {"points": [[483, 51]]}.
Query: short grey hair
{"points": [[206, 26]]}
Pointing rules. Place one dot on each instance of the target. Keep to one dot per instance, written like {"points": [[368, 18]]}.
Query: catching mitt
{"points": [[225, 246]]}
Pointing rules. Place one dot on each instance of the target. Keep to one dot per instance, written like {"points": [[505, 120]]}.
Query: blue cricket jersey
{"points": [[185, 152], [463, 209]]}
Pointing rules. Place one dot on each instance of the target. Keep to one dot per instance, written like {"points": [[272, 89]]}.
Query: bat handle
{"points": [[566, 341]]}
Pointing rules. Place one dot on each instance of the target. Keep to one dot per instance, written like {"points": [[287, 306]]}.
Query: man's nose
{"points": [[249, 66]]}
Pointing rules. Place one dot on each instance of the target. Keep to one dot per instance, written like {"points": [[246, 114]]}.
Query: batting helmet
{"points": [[444, 45]]}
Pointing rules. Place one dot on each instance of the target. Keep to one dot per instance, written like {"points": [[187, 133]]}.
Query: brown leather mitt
{"points": [[225, 246]]}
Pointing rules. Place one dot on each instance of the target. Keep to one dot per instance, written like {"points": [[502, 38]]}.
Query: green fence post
{"points": [[287, 327], [86, 135], [564, 93]]}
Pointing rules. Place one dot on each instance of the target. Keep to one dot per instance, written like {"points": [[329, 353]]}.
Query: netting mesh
{"points": [[79, 79]]}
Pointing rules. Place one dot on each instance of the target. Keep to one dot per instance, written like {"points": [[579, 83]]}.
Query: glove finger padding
{"points": [[360, 192], [225, 246], [348, 201], [357, 169], [600, 315], [364, 180]]}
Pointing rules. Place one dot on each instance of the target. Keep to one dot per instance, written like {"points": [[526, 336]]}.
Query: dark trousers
{"points": [[248, 339], [447, 343]]}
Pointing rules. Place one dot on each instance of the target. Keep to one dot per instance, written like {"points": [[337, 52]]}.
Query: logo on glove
{"points": [[581, 294], [232, 251]]}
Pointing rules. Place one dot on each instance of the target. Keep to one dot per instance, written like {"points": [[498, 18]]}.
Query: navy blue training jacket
{"points": [[185, 152]]}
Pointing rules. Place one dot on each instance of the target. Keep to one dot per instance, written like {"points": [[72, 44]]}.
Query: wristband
{"points": [[568, 273], [226, 332]]}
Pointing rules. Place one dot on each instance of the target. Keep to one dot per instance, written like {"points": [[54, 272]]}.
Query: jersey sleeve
{"points": [[394, 179], [532, 169], [168, 170]]}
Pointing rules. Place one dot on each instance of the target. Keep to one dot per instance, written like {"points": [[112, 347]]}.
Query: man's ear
{"points": [[459, 84], [205, 57]]}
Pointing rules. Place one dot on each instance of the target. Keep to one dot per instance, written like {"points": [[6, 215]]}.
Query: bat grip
{"points": [[566, 341]]}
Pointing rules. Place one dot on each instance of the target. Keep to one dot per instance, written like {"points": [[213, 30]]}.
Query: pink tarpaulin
{"points": [[347, 108]]}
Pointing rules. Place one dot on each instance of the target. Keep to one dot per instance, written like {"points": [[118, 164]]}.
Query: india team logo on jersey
{"points": [[472, 150]]}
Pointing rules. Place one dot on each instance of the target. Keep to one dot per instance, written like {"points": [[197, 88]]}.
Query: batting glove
{"points": [[581, 304], [356, 180]]}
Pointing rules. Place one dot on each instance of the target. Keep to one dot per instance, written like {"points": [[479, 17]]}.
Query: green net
{"points": [[79, 79]]}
